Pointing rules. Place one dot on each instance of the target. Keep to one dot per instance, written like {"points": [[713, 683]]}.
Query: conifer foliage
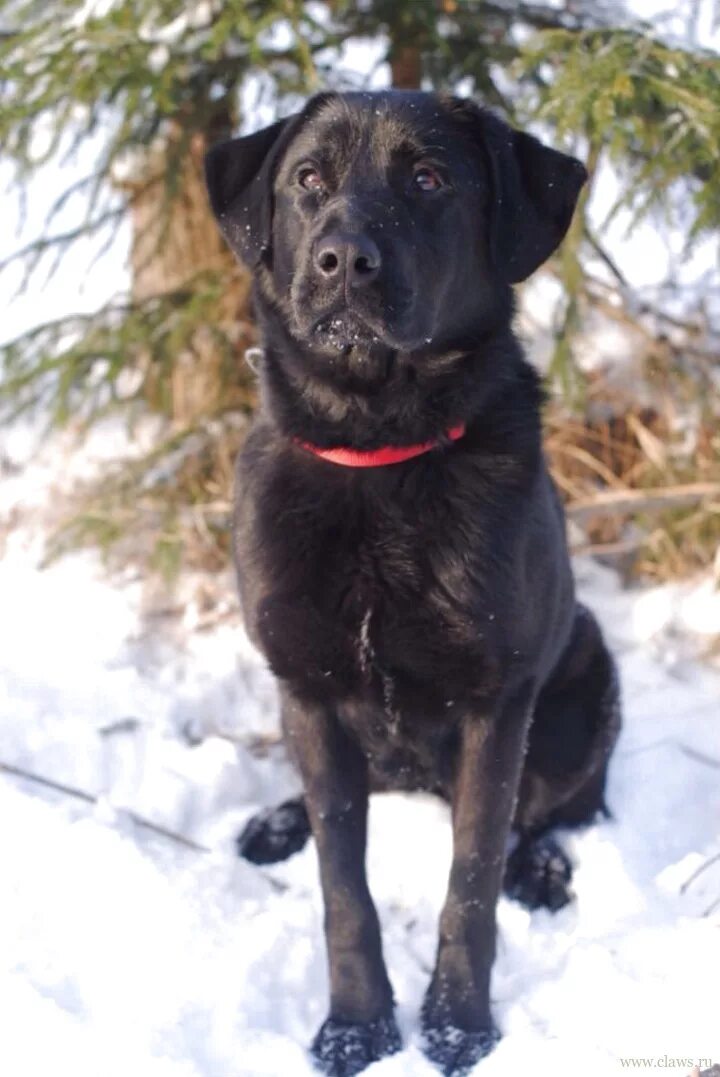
{"points": [[150, 84]]}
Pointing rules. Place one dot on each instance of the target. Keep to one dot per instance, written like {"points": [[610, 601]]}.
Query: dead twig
{"points": [[699, 871], [605, 257], [699, 757], [715, 1072], [89, 798], [608, 549], [609, 502]]}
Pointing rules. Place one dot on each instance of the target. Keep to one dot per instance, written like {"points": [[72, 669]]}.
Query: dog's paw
{"points": [[538, 874], [342, 1048], [275, 834], [456, 1051]]}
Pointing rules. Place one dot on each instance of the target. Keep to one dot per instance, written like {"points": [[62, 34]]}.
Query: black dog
{"points": [[411, 589]]}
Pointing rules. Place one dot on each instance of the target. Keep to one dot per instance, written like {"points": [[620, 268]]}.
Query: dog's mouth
{"points": [[344, 331], [356, 323], [357, 336]]}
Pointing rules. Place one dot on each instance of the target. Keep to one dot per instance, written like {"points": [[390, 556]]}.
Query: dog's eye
{"points": [[427, 179], [310, 179]]}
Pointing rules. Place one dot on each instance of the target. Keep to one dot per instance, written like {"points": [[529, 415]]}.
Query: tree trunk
{"points": [[170, 247], [406, 66], [407, 34]]}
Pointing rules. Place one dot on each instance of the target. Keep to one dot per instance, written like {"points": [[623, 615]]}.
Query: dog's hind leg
{"points": [[575, 727], [275, 834]]}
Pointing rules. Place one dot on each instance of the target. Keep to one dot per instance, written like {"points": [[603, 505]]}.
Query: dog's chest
{"points": [[379, 612]]}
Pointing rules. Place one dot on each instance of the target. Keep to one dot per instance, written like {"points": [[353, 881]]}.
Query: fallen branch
{"points": [[611, 502], [699, 871], [715, 1071], [700, 757], [88, 798]]}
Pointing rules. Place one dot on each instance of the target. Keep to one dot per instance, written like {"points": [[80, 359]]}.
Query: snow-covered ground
{"points": [[126, 953], [123, 951]]}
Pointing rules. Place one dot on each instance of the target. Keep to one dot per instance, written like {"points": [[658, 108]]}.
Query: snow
{"points": [[125, 951]]}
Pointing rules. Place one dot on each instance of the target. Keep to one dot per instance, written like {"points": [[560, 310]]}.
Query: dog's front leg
{"points": [[457, 1023], [361, 1027]]}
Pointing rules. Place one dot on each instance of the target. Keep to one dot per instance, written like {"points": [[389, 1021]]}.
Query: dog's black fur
{"points": [[420, 617]]}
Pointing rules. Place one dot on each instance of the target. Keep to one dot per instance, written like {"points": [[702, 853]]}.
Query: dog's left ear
{"points": [[534, 192], [238, 175]]}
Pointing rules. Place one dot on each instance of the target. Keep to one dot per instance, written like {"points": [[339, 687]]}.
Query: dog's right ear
{"points": [[239, 174]]}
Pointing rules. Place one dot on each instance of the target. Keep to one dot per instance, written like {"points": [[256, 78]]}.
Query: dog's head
{"points": [[390, 222]]}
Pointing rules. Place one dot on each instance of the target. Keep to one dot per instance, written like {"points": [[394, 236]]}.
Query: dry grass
{"points": [[171, 510], [164, 512], [623, 446]]}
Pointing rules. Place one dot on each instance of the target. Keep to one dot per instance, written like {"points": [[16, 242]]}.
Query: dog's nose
{"points": [[356, 258]]}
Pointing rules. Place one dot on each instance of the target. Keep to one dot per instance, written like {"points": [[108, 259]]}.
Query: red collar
{"points": [[388, 454]]}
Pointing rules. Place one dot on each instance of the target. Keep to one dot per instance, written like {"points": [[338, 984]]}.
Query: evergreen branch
{"points": [[32, 253], [604, 256], [539, 16], [52, 363], [655, 107], [59, 204]]}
